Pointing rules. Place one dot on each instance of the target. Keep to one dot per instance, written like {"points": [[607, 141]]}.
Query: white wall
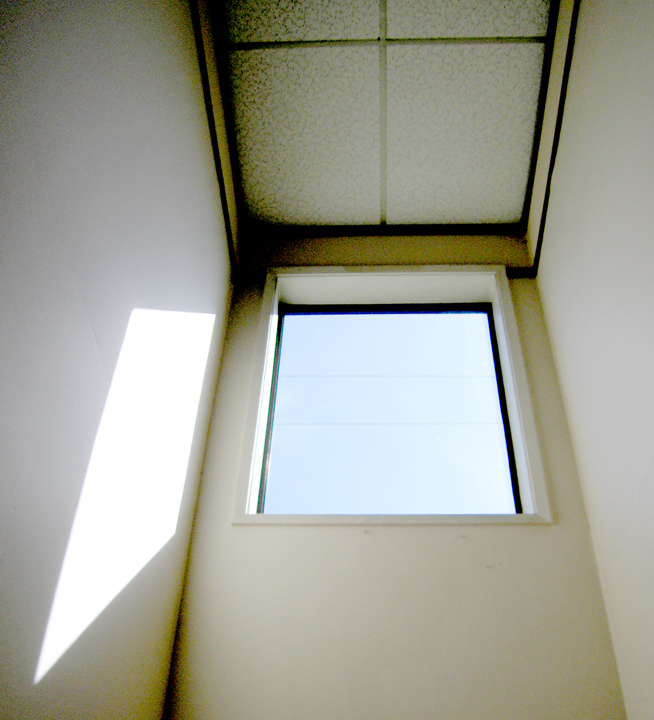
{"points": [[451, 622], [108, 201], [597, 284]]}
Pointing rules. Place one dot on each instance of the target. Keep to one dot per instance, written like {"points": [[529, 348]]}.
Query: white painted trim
{"points": [[548, 129], [380, 285]]}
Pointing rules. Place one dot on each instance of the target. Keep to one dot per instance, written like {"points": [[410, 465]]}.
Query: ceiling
{"points": [[400, 113]]}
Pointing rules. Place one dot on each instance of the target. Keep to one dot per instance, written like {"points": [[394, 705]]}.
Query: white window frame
{"points": [[393, 285]]}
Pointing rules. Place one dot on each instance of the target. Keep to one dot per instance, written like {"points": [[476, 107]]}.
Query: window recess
{"points": [[405, 401]]}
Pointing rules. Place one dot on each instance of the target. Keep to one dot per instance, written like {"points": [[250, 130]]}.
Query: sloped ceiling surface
{"points": [[356, 112]]}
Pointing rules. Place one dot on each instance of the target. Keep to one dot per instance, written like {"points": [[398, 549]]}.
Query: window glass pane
{"points": [[387, 413]]}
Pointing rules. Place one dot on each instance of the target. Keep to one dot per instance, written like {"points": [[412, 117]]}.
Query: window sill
{"points": [[366, 520]]}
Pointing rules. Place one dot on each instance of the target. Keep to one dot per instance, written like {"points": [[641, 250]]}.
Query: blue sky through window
{"points": [[388, 413]]}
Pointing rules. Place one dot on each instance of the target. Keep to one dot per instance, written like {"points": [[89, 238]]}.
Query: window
{"points": [[387, 410], [390, 396]]}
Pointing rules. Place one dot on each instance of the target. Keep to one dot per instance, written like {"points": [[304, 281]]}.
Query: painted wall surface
{"points": [[108, 202], [598, 294], [449, 622]]}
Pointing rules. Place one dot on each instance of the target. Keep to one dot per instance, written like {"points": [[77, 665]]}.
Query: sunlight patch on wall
{"points": [[134, 482]]}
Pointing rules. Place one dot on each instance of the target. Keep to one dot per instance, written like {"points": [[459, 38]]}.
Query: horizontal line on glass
{"points": [[387, 41]]}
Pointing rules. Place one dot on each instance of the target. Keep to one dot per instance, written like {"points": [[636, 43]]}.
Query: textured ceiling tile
{"points": [[460, 131], [307, 127], [281, 20], [466, 18]]}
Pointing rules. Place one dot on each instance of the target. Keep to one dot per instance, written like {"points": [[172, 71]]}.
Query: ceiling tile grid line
{"points": [[389, 41], [455, 148]]}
